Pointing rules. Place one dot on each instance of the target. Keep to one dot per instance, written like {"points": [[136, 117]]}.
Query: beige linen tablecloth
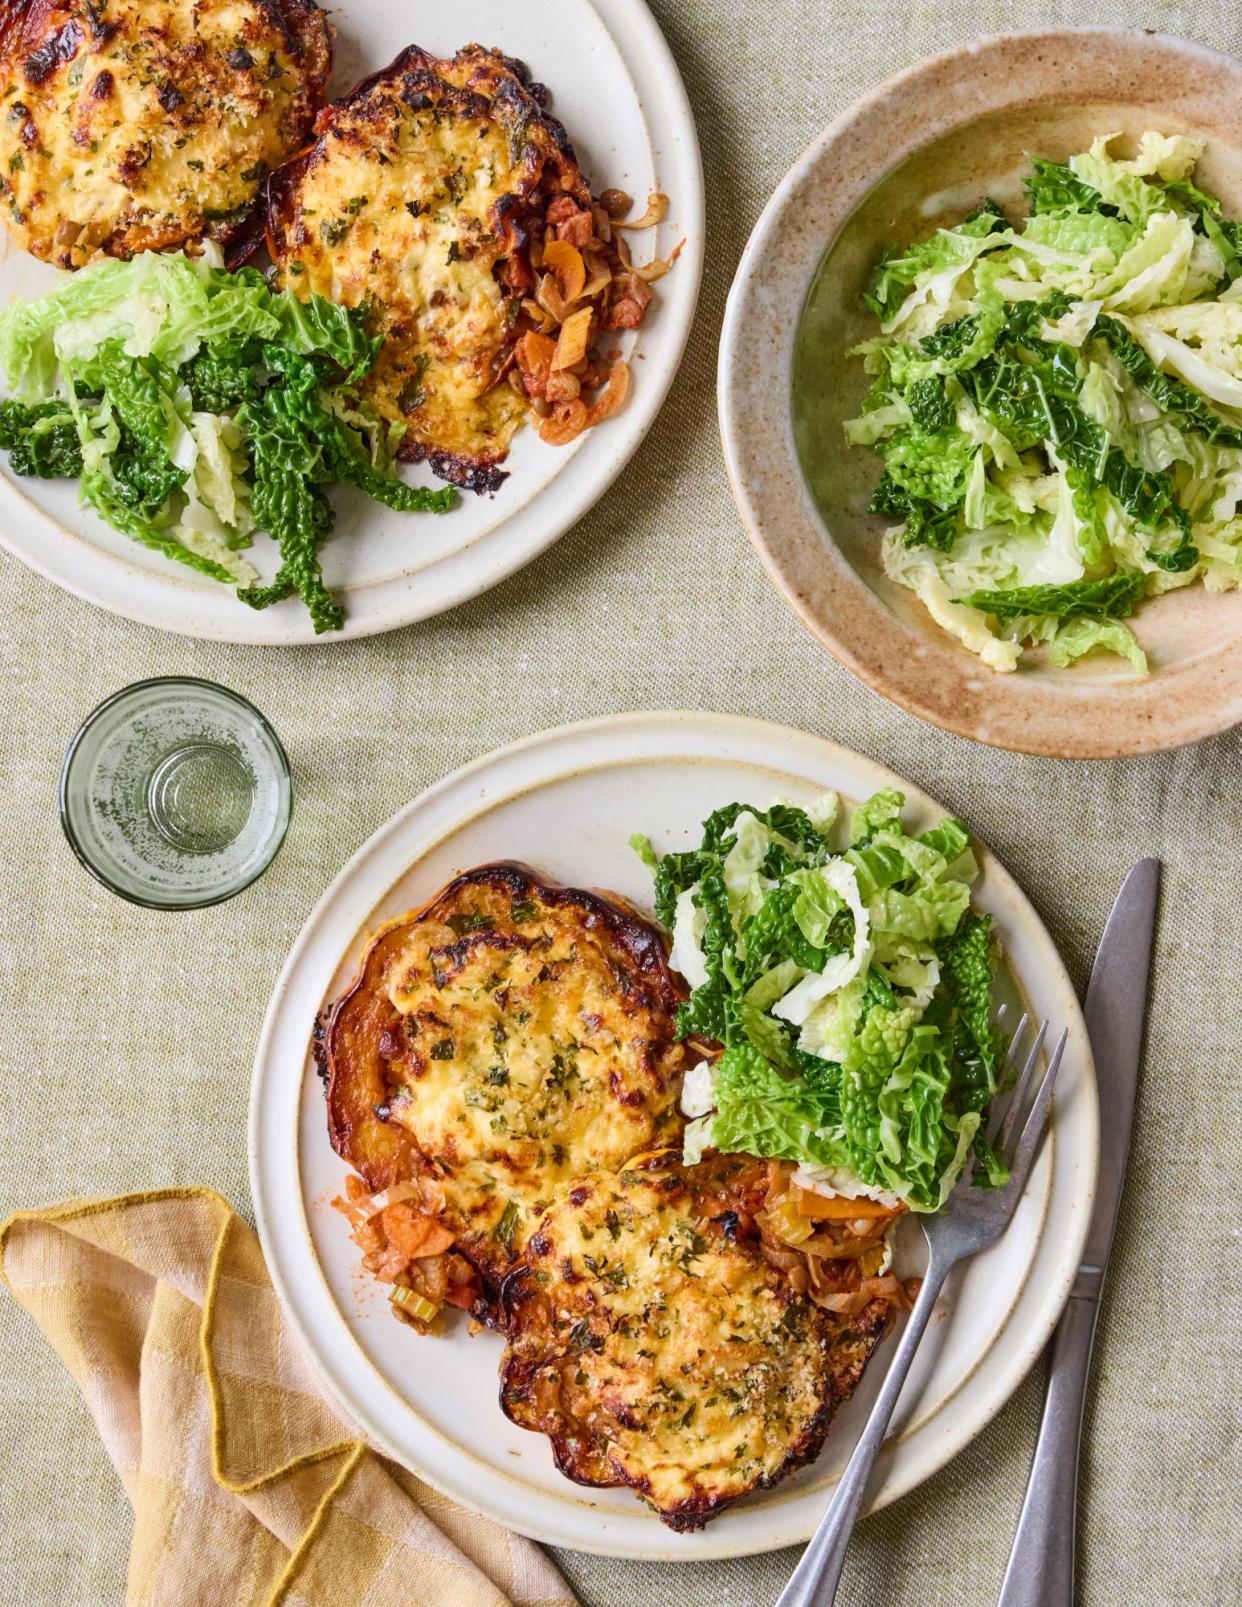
{"points": [[127, 1036]]}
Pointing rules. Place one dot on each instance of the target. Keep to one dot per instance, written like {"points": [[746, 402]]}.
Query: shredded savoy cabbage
{"points": [[195, 407], [1058, 405], [850, 990]]}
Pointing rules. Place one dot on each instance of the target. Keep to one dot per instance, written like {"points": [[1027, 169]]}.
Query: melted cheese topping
{"points": [[395, 212], [666, 1343], [150, 122], [525, 1053]]}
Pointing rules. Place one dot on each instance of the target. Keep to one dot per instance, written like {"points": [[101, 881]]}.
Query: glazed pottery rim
{"points": [[934, 678]]}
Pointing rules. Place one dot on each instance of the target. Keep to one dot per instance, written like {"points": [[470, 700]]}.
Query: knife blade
{"points": [[1115, 1011], [1041, 1563]]}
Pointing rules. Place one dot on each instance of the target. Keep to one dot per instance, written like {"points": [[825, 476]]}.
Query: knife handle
{"points": [[1041, 1564]]}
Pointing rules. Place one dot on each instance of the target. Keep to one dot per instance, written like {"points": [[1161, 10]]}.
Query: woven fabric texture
{"points": [[162, 1311], [127, 1036]]}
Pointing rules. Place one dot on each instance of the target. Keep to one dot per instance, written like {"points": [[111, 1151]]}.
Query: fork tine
{"points": [[1033, 1129], [1002, 1129], [1021, 1089], [1023, 1023]]}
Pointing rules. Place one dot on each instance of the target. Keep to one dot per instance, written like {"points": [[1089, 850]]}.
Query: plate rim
{"points": [[1006, 722], [59, 555], [656, 1543]]}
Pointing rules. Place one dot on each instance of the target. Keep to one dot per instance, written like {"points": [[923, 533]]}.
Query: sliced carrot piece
{"points": [[571, 344], [414, 1234], [657, 210], [534, 354], [565, 261], [821, 1208]]}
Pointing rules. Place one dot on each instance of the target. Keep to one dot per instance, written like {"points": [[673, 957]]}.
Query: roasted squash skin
{"points": [[657, 1347], [505, 1036], [147, 125], [513, 1042], [419, 201]]}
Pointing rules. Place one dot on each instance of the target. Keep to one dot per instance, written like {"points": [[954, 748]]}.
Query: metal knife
{"points": [[1041, 1564]]}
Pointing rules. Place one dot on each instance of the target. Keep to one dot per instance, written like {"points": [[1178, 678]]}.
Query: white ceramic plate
{"points": [[615, 86], [567, 801]]}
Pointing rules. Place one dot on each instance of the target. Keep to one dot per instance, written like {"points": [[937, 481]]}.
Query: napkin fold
{"points": [[247, 1486]]}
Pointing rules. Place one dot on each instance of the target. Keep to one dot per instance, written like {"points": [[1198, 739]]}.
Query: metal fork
{"points": [[973, 1219]]}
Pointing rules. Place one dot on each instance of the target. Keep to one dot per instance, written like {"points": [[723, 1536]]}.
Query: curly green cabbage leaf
{"points": [[1111, 598], [41, 439], [162, 305], [297, 448]]}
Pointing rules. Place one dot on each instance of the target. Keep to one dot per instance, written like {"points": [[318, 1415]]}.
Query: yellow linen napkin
{"points": [[247, 1486]]}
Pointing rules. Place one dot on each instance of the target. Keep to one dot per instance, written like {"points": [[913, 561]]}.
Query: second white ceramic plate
{"points": [[567, 802], [616, 88]]}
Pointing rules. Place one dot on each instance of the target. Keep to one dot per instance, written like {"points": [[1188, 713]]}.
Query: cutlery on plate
{"points": [[1041, 1564], [972, 1220]]}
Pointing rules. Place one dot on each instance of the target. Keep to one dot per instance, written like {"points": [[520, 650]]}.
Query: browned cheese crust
{"points": [[503, 1038], [419, 201], [144, 125], [658, 1348]]}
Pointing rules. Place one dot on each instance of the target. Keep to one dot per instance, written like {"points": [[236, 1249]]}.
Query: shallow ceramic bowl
{"points": [[954, 129]]}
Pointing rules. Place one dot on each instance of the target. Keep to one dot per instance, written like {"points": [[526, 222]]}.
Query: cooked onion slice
{"points": [[659, 266], [657, 211], [548, 295], [539, 316], [612, 395], [360, 1207], [572, 342], [599, 274]]}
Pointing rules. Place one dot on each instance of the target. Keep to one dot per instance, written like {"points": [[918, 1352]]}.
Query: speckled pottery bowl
{"points": [[954, 129]]}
